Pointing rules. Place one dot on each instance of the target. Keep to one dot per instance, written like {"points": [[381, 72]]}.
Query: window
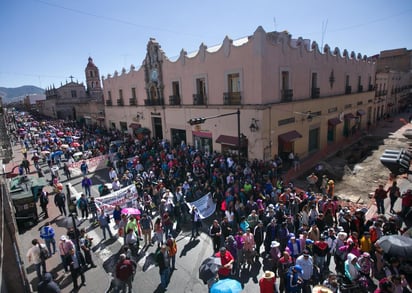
{"points": [[233, 83], [133, 93], [74, 94], [120, 94], [315, 91], [347, 80], [176, 89], [123, 126], [109, 94], [91, 73], [285, 80]]}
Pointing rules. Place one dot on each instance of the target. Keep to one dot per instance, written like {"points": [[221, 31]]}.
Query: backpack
{"points": [[44, 253]]}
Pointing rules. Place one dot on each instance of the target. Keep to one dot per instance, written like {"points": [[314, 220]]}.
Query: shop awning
{"points": [[87, 117], [334, 121], [360, 112], [349, 116], [202, 134], [135, 125], [229, 140], [289, 136]]}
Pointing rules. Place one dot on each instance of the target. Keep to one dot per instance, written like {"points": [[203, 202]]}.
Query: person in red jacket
{"points": [[267, 282], [227, 260]]}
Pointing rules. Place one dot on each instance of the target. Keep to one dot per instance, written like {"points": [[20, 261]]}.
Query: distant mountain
{"points": [[19, 93]]}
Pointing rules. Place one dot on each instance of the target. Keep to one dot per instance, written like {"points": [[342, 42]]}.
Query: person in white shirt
{"points": [[112, 174], [33, 254]]}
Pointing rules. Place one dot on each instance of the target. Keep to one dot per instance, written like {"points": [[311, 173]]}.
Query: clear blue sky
{"points": [[43, 42]]}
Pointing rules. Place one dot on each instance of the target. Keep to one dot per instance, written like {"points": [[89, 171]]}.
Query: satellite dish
{"points": [[341, 116]]}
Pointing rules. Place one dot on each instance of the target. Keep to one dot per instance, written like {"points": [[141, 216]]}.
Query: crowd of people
{"points": [[295, 232]]}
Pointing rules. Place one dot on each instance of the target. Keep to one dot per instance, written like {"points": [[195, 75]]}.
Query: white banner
{"points": [[205, 205], [125, 198], [93, 164]]}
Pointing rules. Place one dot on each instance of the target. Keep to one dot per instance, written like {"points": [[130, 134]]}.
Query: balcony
{"points": [[287, 95], [120, 102], [174, 100], [133, 102], [371, 87], [348, 90], [315, 93], [154, 102], [199, 99], [109, 103], [231, 98], [360, 88]]}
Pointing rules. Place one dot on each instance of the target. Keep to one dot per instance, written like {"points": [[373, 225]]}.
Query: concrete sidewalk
{"points": [[97, 280]]}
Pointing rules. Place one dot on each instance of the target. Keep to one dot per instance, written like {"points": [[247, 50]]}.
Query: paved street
{"points": [[190, 253]]}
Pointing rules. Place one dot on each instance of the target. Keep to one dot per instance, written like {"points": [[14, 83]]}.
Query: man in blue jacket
{"points": [[47, 234]]}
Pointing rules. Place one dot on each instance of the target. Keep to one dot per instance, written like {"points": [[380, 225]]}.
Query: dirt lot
{"points": [[357, 170]]}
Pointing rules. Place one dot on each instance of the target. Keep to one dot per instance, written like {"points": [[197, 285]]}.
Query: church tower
{"points": [[94, 87]]}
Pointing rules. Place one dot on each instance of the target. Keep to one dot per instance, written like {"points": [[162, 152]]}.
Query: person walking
{"points": [[76, 263], [34, 255], [44, 201], [86, 184], [248, 247], [147, 227], [379, 196], [93, 209], [60, 202], [305, 261], [172, 250], [84, 168], [48, 285], [65, 245], [66, 171], [162, 259], [196, 222], [83, 204], [47, 234], [394, 194], [85, 246], [267, 282], [104, 224], [215, 232], [124, 273], [158, 232]]}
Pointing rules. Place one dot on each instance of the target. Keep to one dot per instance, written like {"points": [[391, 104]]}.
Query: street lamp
{"points": [[201, 120]]}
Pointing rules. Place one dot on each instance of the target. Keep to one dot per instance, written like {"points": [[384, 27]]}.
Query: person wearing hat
{"points": [[65, 245], [294, 281], [321, 289], [275, 255], [267, 282]]}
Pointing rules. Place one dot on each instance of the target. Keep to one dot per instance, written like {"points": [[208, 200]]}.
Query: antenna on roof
{"points": [[324, 27]]}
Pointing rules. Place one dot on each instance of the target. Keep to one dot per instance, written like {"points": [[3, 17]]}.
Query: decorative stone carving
{"points": [[202, 52], [227, 43]]}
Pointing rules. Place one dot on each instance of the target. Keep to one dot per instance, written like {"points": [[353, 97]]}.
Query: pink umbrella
{"points": [[131, 211], [60, 133]]}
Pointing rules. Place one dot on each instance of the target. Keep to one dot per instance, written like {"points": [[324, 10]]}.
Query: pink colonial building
{"points": [[292, 96]]}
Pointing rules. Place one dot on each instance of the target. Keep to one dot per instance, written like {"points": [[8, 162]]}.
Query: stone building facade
{"points": [[74, 101], [292, 96]]}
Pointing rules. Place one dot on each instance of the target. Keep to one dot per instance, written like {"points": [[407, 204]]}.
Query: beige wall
{"points": [[259, 60]]}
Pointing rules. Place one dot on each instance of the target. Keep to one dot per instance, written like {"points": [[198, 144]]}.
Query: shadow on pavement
{"points": [[190, 245]]}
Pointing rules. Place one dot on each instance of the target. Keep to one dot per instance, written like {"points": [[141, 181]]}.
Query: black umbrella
{"points": [[209, 268], [396, 245]]}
